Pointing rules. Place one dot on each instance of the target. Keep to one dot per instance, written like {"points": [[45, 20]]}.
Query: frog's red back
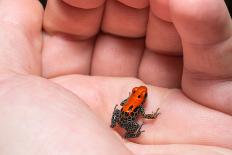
{"points": [[136, 98]]}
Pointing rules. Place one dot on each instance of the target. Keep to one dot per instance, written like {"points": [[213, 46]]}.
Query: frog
{"points": [[132, 107]]}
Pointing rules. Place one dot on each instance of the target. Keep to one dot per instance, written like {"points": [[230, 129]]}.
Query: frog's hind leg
{"points": [[115, 116], [149, 116], [133, 130]]}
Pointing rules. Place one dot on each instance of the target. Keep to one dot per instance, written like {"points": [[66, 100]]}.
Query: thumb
{"points": [[205, 28]]}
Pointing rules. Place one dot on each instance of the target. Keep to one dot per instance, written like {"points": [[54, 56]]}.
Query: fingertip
{"points": [[85, 4], [201, 22], [138, 4], [161, 9], [76, 22]]}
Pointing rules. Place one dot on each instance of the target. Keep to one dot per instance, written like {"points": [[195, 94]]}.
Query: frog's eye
{"points": [[134, 90], [139, 96]]}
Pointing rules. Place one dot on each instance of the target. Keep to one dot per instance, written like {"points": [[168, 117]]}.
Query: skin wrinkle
{"points": [[202, 76], [227, 38]]}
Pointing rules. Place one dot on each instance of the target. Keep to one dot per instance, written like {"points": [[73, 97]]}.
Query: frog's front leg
{"points": [[115, 116], [123, 102], [149, 116]]}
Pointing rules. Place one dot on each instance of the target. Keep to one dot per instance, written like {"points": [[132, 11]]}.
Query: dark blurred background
{"points": [[229, 6], [43, 2], [228, 3]]}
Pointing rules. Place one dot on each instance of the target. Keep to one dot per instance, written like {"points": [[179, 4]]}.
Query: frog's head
{"points": [[137, 98], [139, 93]]}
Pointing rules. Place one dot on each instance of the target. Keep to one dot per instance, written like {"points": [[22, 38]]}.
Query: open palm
{"points": [[58, 88]]}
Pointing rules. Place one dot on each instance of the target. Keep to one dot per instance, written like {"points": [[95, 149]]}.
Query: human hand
{"points": [[41, 117]]}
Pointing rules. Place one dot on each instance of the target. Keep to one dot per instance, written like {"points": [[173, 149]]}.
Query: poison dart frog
{"points": [[131, 108]]}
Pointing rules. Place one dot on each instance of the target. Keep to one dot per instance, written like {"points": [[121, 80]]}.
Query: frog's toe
{"points": [[112, 125], [115, 106], [142, 131]]}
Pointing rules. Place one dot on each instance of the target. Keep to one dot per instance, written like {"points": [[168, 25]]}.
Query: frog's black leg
{"points": [[133, 130], [115, 116], [149, 116], [123, 102]]}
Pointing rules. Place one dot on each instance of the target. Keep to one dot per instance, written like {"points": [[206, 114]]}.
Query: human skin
{"points": [[58, 87]]}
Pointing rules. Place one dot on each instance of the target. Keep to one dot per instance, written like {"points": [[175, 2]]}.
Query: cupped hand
{"points": [[62, 71]]}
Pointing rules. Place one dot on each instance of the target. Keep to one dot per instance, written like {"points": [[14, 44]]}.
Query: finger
{"points": [[207, 44], [124, 20], [62, 56], [177, 149], [20, 36], [161, 70], [162, 37], [74, 22], [116, 56], [66, 23], [162, 62], [181, 120], [53, 121]]}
